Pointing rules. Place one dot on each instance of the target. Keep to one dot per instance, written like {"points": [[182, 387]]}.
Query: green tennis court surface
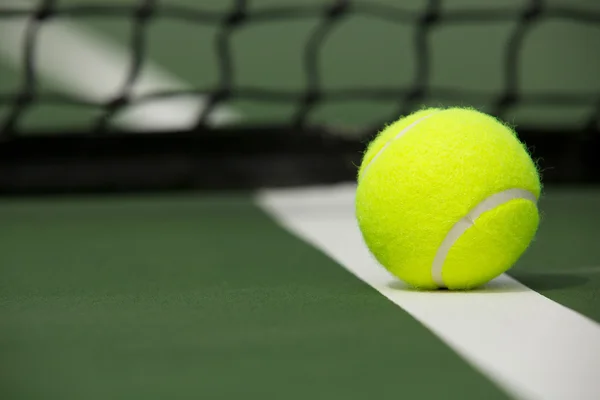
{"points": [[197, 296]]}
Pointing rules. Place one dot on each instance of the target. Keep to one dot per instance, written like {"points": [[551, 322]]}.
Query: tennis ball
{"points": [[447, 198]]}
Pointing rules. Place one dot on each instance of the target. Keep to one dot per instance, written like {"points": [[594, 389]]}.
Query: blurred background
{"points": [[145, 95]]}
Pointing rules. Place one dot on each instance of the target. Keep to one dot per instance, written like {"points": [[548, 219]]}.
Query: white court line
{"points": [[529, 345], [89, 66]]}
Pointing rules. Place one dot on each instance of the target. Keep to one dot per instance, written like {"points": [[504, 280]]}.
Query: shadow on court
{"points": [[542, 281], [537, 281]]}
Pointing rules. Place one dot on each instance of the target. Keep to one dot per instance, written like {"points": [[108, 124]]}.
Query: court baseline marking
{"points": [[529, 345]]}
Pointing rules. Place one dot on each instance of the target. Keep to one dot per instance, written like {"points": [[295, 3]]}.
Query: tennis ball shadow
{"points": [[540, 281], [495, 286]]}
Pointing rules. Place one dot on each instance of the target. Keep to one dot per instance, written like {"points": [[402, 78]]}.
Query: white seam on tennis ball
{"points": [[467, 221], [398, 136]]}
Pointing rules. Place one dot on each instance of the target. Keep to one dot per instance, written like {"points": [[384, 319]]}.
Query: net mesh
{"points": [[314, 92]]}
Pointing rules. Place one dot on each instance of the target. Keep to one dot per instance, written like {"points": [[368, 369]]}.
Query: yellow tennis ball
{"points": [[447, 198]]}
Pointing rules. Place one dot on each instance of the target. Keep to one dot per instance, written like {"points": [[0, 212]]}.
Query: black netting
{"points": [[314, 94]]}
